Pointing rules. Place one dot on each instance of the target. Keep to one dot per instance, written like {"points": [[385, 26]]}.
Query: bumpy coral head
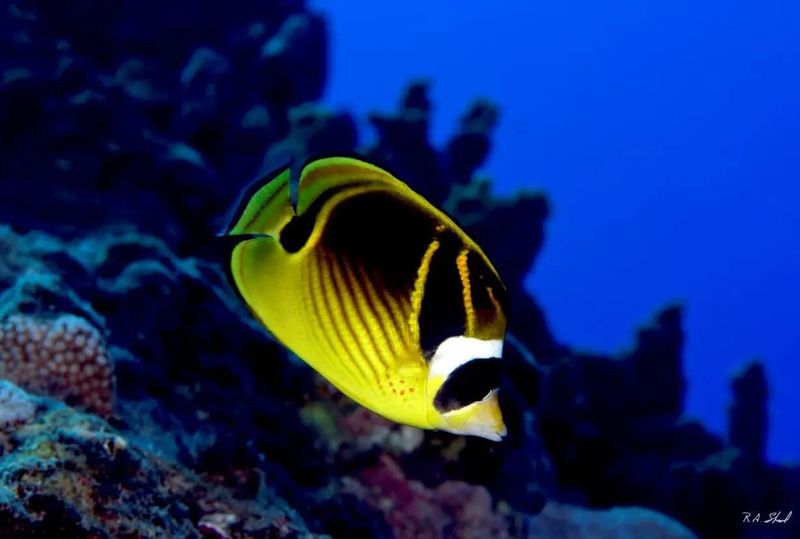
{"points": [[64, 358], [463, 385]]}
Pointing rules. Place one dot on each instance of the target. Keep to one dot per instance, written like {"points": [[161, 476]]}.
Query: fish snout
{"points": [[481, 418]]}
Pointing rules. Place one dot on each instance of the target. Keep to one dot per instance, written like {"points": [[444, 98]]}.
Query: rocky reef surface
{"points": [[140, 400]]}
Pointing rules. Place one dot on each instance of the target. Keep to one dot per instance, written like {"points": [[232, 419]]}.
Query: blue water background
{"points": [[666, 135]]}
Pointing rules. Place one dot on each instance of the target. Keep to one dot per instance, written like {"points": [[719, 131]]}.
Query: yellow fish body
{"points": [[379, 291]]}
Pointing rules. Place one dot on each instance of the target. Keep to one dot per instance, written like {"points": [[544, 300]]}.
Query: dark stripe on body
{"points": [[442, 314], [384, 234], [328, 325], [347, 324], [355, 293], [295, 234], [382, 308]]}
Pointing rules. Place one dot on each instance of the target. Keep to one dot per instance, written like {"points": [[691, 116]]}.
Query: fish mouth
{"points": [[490, 412]]}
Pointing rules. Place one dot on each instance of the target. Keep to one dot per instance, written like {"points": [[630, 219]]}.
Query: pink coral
{"points": [[412, 510], [459, 509], [64, 358], [470, 507]]}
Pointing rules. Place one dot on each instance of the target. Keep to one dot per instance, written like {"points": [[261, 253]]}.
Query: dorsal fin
{"points": [[321, 174], [265, 206]]}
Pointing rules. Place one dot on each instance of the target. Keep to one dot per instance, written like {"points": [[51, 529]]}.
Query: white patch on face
{"points": [[456, 351]]}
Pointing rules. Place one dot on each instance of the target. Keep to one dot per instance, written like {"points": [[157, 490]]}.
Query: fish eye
{"points": [[470, 382]]}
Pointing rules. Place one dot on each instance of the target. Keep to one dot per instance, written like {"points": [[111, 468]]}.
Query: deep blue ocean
{"points": [[666, 137]]}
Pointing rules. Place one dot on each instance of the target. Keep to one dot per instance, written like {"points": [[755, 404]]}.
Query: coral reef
{"points": [[747, 429], [68, 474], [412, 510], [15, 406], [561, 520], [126, 139], [64, 358]]}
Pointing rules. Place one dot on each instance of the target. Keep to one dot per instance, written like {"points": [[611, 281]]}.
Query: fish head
{"points": [[462, 387]]}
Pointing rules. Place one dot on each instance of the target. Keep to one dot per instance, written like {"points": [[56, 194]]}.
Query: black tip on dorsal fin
{"points": [[296, 162]]}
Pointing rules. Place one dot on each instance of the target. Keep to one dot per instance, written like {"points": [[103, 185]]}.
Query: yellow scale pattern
{"points": [[349, 327], [466, 288], [419, 289], [329, 334]]}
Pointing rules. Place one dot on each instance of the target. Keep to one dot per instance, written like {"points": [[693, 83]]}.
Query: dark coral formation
{"points": [[126, 136], [67, 474], [747, 429]]}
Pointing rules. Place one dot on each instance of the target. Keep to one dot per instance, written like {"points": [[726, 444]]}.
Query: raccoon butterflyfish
{"points": [[379, 291]]}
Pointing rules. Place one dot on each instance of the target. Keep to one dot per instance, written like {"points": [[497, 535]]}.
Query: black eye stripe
{"points": [[468, 383]]}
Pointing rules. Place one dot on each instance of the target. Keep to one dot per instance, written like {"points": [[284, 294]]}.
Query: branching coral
{"points": [[64, 358]]}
